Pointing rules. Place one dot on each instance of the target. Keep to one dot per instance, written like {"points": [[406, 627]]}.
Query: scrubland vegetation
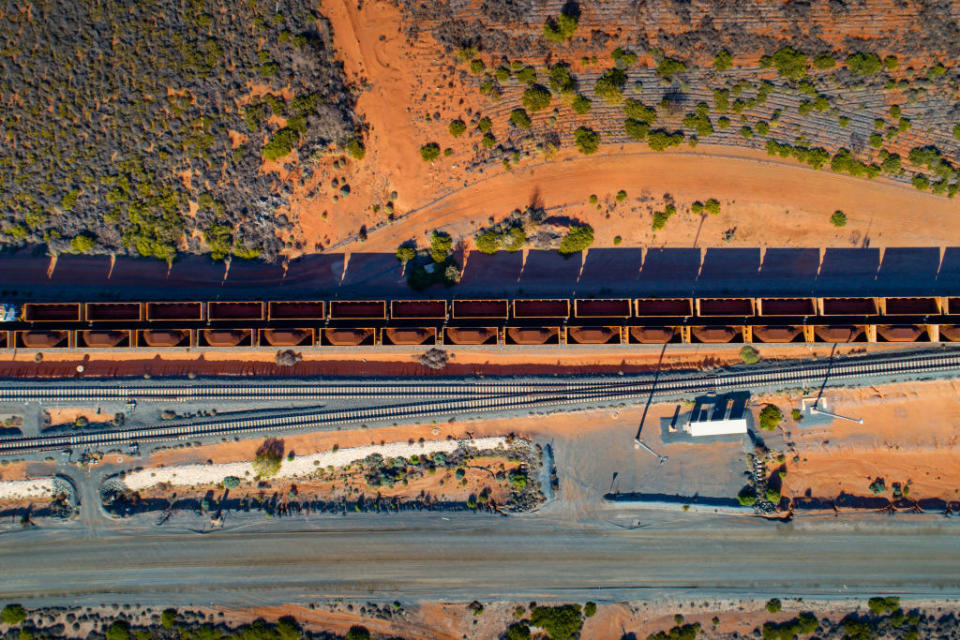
{"points": [[117, 118]]}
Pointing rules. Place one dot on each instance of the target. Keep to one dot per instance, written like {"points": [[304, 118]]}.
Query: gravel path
{"points": [[201, 474]]}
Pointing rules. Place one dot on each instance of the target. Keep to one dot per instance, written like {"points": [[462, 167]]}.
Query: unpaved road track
{"points": [[425, 556]]}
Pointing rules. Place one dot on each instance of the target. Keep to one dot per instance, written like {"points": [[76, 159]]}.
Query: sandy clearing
{"points": [[756, 192], [34, 488], [69, 416], [190, 475]]}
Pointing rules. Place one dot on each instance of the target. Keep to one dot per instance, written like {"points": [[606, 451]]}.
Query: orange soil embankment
{"points": [[770, 202]]}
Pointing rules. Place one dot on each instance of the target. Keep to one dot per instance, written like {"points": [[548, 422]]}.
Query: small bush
{"points": [[796, 414], [269, 456], [890, 63], [82, 243], [457, 128], [562, 28], [406, 253], [578, 239], [119, 630], [430, 152], [581, 104], [518, 631], [636, 110], [13, 614], [774, 605], [712, 206], [838, 219], [609, 86], [282, 143], [169, 616], [773, 495], [440, 246], [230, 482], [770, 417], [636, 129], [824, 61], [723, 60], [670, 66], [484, 124], [560, 623], [520, 118], [864, 64], [790, 63], [747, 497], [477, 67], [587, 140], [749, 355], [590, 609], [621, 195], [357, 632], [536, 98], [355, 148]]}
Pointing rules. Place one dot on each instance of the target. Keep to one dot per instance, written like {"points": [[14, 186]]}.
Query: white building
{"points": [[718, 416]]}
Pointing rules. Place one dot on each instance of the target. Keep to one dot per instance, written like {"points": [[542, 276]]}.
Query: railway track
{"points": [[545, 396]]}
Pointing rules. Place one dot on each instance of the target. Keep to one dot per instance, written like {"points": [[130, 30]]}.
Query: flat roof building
{"points": [[718, 415]]}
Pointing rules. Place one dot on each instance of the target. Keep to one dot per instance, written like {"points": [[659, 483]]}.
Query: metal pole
{"points": [[817, 409]]}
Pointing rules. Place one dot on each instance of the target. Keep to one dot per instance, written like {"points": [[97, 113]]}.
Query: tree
{"points": [[268, 458], [536, 98], [406, 253], [355, 148], [518, 631], [824, 61], [578, 239], [590, 609], [864, 64], [890, 63], [83, 243], [670, 66], [282, 143], [747, 497], [119, 630], [774, 605], [230, 482], [488, 242], [560, 623], [660, 140], [430, 152], [13, 614], [712, 206], [770, 417], [636, 129], [749, 355], [609, 86], [790, 63], [520, 118], [723, 60], [581, 104], [588, 140], [357, 632], [457, 128], [636, 110], [562, 28], [440, 246], [838, 219]]}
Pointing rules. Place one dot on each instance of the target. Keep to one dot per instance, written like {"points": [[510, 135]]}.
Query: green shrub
{"points": [[536, 98], [623, 58], [636, 129], [430, 152], [790, 63], [749, 355], [520, 118], [590, 609], [843, 121], [518, 631], [838, 219], [723, 122], [920, 181], [356, 632], [119, 630], [69, 199], [82, 243], [636, 110], [891, 63], [660, 217], [560, 79], [578, 239], [355, 148], [269, 456], [956, 131], [609, 86], [721, 100], [747, 497], [763, 128], [560, 623], [169, 616], [440, 246], [484, 124], [562, 28], [581, 104], [621, 195], [488, 140], [712, 206], [670, 66], [477, 67], [824, 61], [696, 207], [527, 75], [746, 132], [773, 495], [864, 64], [406, 253], [660, 140], [13, 614], [774, 605], [770, 417], [796, 414], [587, 140], [282, 143], [488, 242], [723, 60]]}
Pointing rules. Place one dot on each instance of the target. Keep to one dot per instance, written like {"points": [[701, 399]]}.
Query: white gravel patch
{"points": [[36, 488], [203, 474]]}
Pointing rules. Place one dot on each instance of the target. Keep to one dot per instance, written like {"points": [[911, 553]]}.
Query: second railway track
{"points": [[506, 397]]}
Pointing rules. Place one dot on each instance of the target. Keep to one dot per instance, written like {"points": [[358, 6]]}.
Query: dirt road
{"points": [[427, 556]]}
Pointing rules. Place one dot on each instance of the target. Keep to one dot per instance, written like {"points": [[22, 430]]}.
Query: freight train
{"points": [[488, 322]]}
